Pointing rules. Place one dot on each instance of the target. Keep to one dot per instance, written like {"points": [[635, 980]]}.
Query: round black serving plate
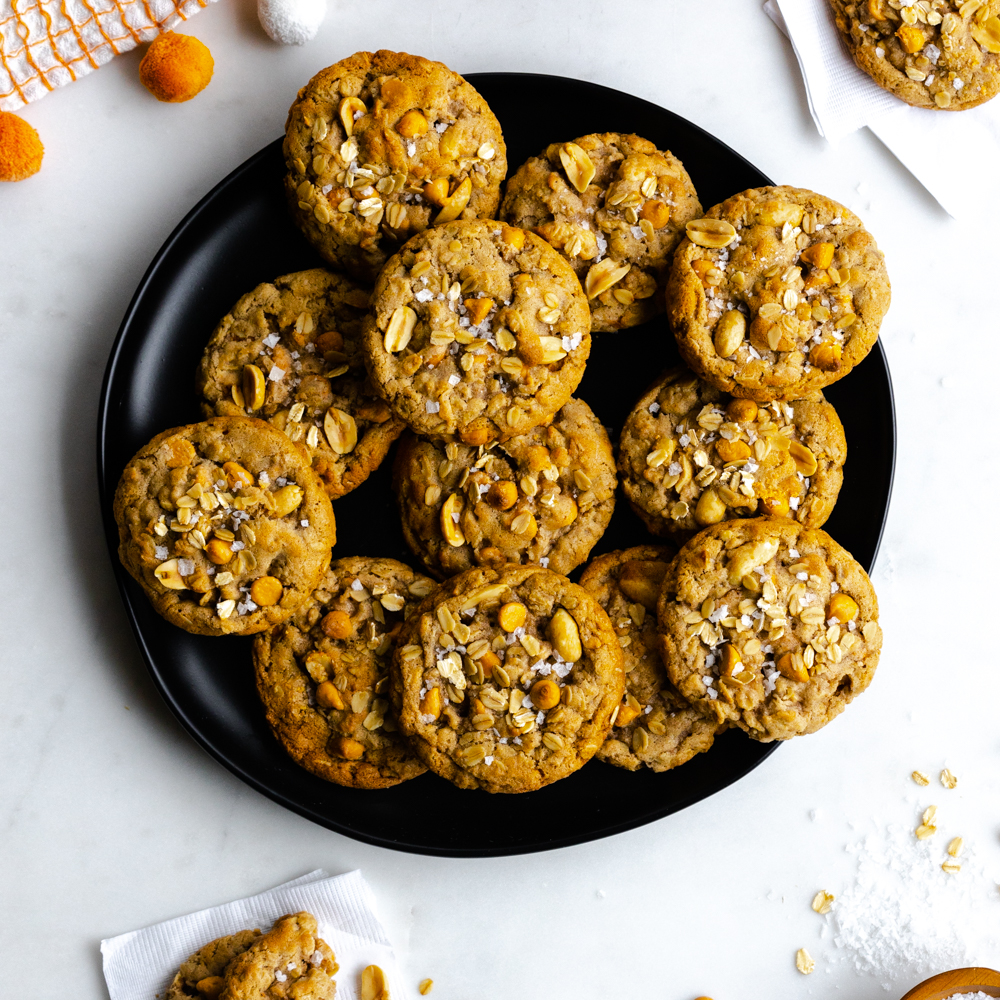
{"points": [[239, 235]]}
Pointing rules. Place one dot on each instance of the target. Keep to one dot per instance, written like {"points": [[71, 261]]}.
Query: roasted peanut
{"points": [[344, 746], [254, 387], [512, 616], [450, 511], [790, 665], [436, 191], [373, 984], [732, 451], [545, 694], [502, 495], [742, 410], [710, 509], [337, 625], [729, 333], [236, 475], [565, 636], [431, 704], [219, 551], [412, 124], [842, 607], [169, 575], [286, 499], [804, 459], [266, 590], [327, 696], [210, 987], [819, 255]]}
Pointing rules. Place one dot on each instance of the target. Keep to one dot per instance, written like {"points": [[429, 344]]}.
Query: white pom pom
{"points": [[291, 22]]}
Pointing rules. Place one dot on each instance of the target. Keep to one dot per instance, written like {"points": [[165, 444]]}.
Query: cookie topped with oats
{"points": [[615, 207], [381, 146], [776, 293], [691, 455], [202, 975], [289, 352], [224, 525], [544, 497], [478, 331], [769, 625], [654, 726], [507, 679], [323, 675], [938, 54]]}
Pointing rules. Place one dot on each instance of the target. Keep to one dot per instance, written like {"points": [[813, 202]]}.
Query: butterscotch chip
{"points": [[615, 207], [787, 300], [467, 706], [382, 145], [296, 343], [290, 960], [209, 962], [691, 455], [239, 505], [455, 381], [556, 484], [744, 629], [323, 675], [655, 727], [943, 55]]}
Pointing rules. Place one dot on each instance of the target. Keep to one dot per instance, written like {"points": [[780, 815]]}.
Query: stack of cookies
{"points": [[468, 335]]}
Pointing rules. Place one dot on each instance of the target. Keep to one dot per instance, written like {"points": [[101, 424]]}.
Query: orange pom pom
{"points": [[176, 67], [21, 150]]}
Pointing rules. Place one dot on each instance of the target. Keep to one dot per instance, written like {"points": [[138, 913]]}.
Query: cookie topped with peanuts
{"points": [[615, 207], [691, 455], [381, 146], [478, 331], [323, 675], [507, 679], [769, 625], [543, 497], [654, 726], [938, 54], [289, 352], [224, 525], [775, 293], [201, 976]]}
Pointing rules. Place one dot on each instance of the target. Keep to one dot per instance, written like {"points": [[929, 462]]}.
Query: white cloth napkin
{"points": [[140, 965], [954, 154]]}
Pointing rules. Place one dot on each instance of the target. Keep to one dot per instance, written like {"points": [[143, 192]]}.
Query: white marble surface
{"points": [[112, 818]]}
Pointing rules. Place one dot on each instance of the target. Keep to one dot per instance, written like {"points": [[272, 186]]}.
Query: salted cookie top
{"points": [[654, 726], [323, 675], [507, 679], [543, 497], [615, 207], [478, 331], [777, 292], [769, 625], [382, 145], [288, 961], [200, 977], [290, 353], [691, 455], [931, 53], [224, 525]]}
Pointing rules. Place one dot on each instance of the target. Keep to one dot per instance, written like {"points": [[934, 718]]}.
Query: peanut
{"points": [[436, 191], [790, 665], [373, 984], [512, 616], [431, 704], [502, 495], [656, 212], [400, 329], [287, 499], [337, 625], [344, 746], [565, 636], [219, 551], [742, 410], [327, 696], [730, 662], [710, 508], [545, 694], [349, 107], [450, 528], [455, 203], [826, 356], [732, 451], [168, 575], [210, 987], [819, 255], [804, 459], [412, 124], [236, 475], [341, 430], [842, 607], [578, 165], [266, 590], [712, 233], [729, 333], [254, 387]]}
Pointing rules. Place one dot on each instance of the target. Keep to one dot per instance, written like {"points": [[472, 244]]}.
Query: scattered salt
{"points": [[276, 374]]}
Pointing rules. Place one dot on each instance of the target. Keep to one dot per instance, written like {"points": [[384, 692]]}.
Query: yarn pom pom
{"points": [[291, 22], [176, 67], [20, 148]]}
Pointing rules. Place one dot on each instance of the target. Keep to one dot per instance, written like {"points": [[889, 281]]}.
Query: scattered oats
{"points": [[951, 867], [822, 901], [948, 779], [426, 985], [920, 778], [804, 962]]}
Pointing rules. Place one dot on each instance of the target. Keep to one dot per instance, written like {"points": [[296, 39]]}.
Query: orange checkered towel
{"points": [[47, 43]]}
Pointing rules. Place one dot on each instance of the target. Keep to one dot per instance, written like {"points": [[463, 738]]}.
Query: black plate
{"points": [[240, 234]]}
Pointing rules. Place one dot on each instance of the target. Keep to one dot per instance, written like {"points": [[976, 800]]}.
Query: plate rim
{"points": [[111, 530]]}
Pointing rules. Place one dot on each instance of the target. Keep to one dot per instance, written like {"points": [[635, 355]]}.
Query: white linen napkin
{"points": [[954, 154], [140, 965]]}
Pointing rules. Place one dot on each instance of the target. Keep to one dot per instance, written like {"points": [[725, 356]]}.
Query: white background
{"points": [[111, 818]]}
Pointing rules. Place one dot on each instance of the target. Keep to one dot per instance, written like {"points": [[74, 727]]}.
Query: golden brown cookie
{"points": [[323, 675], [201, 976], [543, 497], [769, 625], [935, 54], [776, 293], [382, 145], [289, 352], [691, 455], [654, 726], [224, 525], [615, 207], [506, 679], [478, 331], [287, 962]]}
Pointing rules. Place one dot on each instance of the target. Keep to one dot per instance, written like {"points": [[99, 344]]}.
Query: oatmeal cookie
{"points": [[769, 625], [654, 725], [381, 146], [932, 54], [506, 679], [777, 292], [289, 352], [202, 975], [615, 207], [544, 497], [323, 675], [224, 526], [288, 961], [691, 455], [478, 331]]}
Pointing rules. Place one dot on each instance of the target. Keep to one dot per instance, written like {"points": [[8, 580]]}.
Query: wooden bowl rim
{"points": [[946, 984]]}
